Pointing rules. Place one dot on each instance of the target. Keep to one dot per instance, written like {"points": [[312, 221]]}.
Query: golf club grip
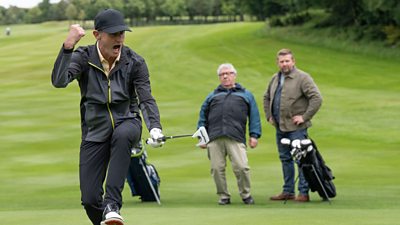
{"points": [[159, 139]]}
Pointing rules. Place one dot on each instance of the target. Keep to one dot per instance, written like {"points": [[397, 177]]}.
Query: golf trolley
{"points": [[318, 175]]}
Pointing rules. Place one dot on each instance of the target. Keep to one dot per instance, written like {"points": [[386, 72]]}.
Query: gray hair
{"points": [[226, 66]]}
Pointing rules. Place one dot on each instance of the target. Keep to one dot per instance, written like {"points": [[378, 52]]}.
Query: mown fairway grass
{"points": [[357, 129]]}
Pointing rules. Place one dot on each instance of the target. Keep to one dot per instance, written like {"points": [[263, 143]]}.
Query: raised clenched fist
{"points": [[76, 32]]}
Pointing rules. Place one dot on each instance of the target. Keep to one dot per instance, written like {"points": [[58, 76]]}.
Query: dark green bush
{"points": [[276, 22], [392, 34], [297, 19]]}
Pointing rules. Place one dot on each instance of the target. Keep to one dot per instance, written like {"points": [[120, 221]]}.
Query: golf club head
{"points": [[293, 152], [296, 143], [296, 153], [137, 149], [202, 135], [285, 141], [306, 142]]}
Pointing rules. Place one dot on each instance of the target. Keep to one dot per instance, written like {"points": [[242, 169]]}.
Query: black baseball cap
{"points": [[110, 21]]}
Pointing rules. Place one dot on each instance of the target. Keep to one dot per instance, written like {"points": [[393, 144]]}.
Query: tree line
{"points": [[381, 18]]}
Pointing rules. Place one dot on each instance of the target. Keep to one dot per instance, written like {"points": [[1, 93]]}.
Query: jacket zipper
{"points": [[108, 95], [108, 104]]}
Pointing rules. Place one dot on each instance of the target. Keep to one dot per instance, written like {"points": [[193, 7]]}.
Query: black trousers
{"points": [[106, 161]]}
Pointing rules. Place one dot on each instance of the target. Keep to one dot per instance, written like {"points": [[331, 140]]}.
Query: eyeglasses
{"points": [[226, 73]]}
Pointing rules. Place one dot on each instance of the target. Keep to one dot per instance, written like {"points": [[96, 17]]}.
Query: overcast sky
{"points": [[23, 3]]}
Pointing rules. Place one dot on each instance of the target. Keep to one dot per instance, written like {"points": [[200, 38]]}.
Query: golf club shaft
{"points": [[172, 137]]}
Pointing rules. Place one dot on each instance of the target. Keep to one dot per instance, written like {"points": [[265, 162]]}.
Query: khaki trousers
{"points": [[217, 151]]}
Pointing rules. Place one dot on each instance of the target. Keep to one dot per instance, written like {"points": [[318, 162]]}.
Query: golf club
{"points": [[201, 134]]}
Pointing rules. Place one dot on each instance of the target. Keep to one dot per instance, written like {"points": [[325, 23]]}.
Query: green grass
{"points": [[357, 128]]}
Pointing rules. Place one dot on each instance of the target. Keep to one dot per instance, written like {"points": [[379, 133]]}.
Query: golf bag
{"points": [[142, 177], [318, 175]]}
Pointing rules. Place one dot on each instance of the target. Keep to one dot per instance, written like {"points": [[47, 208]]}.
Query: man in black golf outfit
{"points": [[115, 87]]}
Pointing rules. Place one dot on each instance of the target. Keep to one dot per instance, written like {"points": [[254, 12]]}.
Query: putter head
{"points": [[202, 135]]}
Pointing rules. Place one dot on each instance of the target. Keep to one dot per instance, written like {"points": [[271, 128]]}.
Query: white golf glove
{"points": [[156, 136]]}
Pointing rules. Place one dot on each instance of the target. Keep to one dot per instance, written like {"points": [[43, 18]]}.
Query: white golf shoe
{"points": [[111, 216]]}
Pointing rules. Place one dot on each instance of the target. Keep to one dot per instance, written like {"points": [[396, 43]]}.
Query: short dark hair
{"points": [[284, 51]]}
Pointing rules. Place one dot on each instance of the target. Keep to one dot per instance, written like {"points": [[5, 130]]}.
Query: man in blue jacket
{"points": [[224, 114], [115, 87]]}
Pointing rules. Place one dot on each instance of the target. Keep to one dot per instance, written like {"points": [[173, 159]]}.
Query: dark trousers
{"points": [[110, 158]]}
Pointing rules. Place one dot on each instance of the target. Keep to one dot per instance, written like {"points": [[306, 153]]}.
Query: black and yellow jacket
{"points": [[106, 101]]}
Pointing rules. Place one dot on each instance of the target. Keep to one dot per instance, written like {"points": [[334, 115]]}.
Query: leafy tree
{"points": [[15, 15], [150, 10], [57, 11], [385, 12], [85, 8], [34, 15], [228, 8], [157, 9], [101, 5], [44, 7], [117, 4], [232, 8], [199, 8], [173, 8], [344, 12], [258, 8], [71, 12], [276, 7], [240, 6], [3, 12], [216, 8], [134, 9]]}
